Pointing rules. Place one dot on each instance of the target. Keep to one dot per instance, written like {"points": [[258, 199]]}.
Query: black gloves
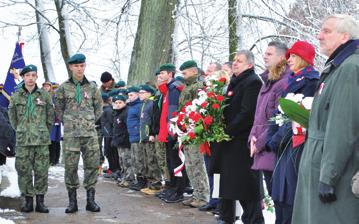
{"points": [[326, 193]]}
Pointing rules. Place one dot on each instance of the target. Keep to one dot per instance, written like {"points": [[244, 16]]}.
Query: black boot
{"points": [[91, 204], [72, 201], [40, 206], [29, 205]]}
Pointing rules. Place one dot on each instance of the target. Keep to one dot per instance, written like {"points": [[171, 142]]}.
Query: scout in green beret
{"points": [[133, 89], [28, 68], [78, 105], [188, 64], [157, 71], [189, 69], [168, 67], [31, 114], [120, 84], [47, 86], [77, 59], [148, 89], [119, 97]]}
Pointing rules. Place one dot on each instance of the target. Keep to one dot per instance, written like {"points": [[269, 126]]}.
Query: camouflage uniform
{"points": [[32, 124], [138, 159], [126, 164], [79, 117], [160, 149], [195, 166], [152, 168]]}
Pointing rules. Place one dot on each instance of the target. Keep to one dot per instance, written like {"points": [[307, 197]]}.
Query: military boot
{"points": [[91, 204], [28, 205], [72, 201], [40, 206]]}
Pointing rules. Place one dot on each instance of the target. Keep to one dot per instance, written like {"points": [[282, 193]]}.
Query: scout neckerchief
{"points": [[78, 96], [30, 106]]}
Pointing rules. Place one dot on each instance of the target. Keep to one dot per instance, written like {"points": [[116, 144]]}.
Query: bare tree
{"points": [[152, 45]]}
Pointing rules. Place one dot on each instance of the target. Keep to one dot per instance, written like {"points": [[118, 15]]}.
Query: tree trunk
{"points": [[45, 51], [63, 32], [153, 40], [232, 25]]}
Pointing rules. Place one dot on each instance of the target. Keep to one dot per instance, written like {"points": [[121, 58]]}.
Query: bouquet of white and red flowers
{"points": [[200, 121]]}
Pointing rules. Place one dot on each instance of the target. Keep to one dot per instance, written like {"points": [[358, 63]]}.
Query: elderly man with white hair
{"points": [[331, 154]]}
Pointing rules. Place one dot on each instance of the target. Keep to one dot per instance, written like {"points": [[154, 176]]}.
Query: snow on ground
{"points": [[9, 171], [6, 221]]}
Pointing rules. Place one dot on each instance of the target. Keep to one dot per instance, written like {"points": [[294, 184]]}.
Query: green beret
{"points": [[120, 84], [76, 59], [105, 96], [157, 72], [119, 97], [188, 64], [168, 67], [148, 88], [28, 68], [114, 92], [134, 89]]}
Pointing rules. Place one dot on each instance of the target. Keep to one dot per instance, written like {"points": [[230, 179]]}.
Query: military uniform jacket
{"points": [[331, 153], [78, 118], [32, 128], [190, 92]]}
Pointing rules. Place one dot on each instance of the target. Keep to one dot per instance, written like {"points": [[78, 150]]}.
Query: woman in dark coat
{"points": [[238, 181], [281, 140]]}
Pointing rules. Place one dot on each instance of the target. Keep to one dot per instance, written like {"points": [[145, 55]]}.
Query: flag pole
{"points": [[19, 34]]}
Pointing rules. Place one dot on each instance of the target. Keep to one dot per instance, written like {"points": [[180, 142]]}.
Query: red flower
{"points": [[188, 104], [208, 120], [197, 117], [215, 106], [220, 98], [174, 114], [180, 118], [222, 80], [192, 135], [204, 104], [191, 115], [211, 94]]}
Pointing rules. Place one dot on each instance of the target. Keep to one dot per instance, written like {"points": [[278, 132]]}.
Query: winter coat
{"points": [[146, 120], [7, 133], [120, 137], [133, 120], [331, 152], [169, 104], [107, 121], [238, 181], [55, 133], [284, 179], [267, 102], [156, 114]]}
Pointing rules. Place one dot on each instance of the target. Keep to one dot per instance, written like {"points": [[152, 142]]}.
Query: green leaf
{"points": [[295, 112]]}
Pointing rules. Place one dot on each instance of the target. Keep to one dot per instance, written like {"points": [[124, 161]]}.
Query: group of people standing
{"points": [[311, 175]]}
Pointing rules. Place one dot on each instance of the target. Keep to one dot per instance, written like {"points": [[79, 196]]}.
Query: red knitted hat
{"points": [[304, 50]]}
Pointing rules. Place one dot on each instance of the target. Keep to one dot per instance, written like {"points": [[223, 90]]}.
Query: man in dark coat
{"points": [[7, 136], [238, 181], [331, 154]]}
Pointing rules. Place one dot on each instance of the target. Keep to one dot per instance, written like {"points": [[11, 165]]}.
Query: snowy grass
{"points": [[9, 171]]}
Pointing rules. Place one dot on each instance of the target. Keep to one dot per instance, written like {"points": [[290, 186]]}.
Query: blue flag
{"points": [[17, 63]]}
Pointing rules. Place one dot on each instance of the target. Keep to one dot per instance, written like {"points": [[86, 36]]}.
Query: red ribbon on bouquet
{"points": [[205, 149]]}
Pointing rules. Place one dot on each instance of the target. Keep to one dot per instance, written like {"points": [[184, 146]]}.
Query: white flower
{"points": [[295, 97], [307, 102]]}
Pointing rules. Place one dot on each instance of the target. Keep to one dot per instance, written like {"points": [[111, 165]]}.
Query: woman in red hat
{"points": [[282, 140]]}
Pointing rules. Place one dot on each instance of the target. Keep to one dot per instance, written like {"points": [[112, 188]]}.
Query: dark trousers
{"points": [[2, 159], [54, 152], [283, 213], [111, 154], [173, 161], [212, 201], [252, 211]]}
